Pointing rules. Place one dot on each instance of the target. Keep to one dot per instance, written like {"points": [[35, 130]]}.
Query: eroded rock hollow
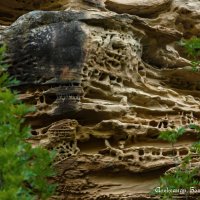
{"points": [[106, 77]]}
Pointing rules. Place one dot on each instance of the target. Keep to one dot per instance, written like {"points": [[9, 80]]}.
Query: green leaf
{"points": [[23, 170], [180, 131]]}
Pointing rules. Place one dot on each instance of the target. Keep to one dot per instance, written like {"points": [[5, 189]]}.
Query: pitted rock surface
{"points": [[105, 84]]}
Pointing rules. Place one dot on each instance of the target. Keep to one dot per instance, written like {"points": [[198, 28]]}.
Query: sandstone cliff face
{"points": [[106, 79]]}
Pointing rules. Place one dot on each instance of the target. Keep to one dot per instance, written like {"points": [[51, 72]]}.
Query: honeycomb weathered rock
{"points": [[105, 85]]}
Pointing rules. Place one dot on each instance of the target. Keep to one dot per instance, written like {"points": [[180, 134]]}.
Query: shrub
{"points": [[23, 170]]}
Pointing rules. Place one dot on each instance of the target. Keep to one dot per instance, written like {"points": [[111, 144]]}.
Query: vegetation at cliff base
{"points": [[183, 179], [23, 170], [192, 48]]}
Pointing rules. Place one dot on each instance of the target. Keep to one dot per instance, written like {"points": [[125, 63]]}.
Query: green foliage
{"points": [[195, 66], [23, 169], [179, 181], [192, 46], [196, 146], [172, 135], [183, 177], [194, 126]]}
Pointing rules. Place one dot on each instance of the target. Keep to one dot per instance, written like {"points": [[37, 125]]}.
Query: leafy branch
{"points": [[24, 170]]}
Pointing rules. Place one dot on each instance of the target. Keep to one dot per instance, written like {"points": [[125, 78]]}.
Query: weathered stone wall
{"points": [[105, 80]]}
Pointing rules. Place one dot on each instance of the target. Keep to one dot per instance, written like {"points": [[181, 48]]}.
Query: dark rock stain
{"points": [[47, 48]]}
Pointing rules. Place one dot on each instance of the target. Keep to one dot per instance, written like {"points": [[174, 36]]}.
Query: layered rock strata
{"points": [[105, 85]]}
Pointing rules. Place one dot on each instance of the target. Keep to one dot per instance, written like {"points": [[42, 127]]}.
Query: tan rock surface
{"points": [[12, 9], [138, 7], [105, 85]]}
